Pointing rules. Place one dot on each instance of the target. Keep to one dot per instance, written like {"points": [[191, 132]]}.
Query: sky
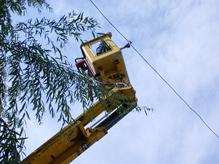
{"points": [[181, 40]]}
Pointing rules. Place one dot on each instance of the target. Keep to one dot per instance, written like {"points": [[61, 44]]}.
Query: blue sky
{"points": [[181, 40]]}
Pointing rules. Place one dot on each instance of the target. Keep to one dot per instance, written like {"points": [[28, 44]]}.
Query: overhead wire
{"points": [[157, 73]]}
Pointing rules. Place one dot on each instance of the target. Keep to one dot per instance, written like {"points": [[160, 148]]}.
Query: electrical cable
{"points": [[159, 75]]}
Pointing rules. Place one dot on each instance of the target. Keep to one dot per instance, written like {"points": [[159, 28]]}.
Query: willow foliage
{"points": [[34, 75]]}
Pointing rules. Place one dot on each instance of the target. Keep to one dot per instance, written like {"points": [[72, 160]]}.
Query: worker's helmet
{"points": [[109, 34]]}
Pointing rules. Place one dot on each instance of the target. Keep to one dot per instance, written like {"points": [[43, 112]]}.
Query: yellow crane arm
{"points": [[77, 136]]}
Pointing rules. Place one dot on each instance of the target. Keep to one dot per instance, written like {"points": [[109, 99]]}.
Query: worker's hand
{"points": [[128, 45]]}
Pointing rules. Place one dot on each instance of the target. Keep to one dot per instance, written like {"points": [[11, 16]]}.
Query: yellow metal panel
{"points": [[104, 61]]}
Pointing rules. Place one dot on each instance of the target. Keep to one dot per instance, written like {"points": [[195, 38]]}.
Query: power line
{"points": [[160, 76]]}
